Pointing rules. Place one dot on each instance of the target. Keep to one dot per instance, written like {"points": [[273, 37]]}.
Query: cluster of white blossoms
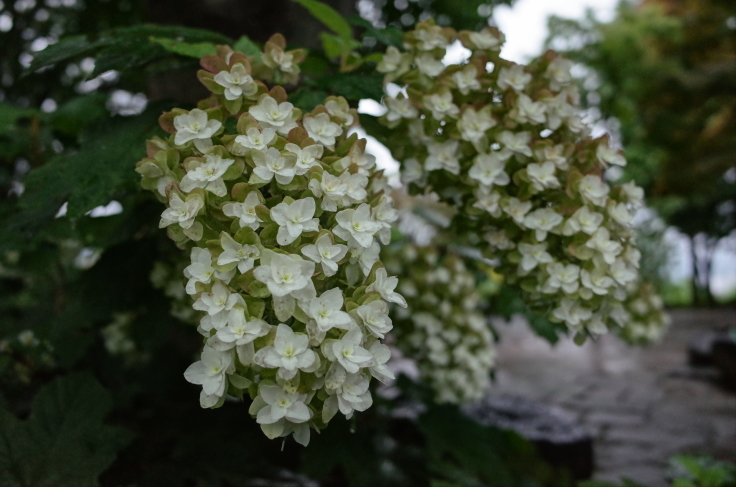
{"points": [[441, 328], [283, 216], [506, 145], [641, 317]]}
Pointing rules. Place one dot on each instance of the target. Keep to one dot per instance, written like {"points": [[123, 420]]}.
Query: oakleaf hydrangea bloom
{"points": [[293, 219], [196, 126], [322, 130], [326, 311], [184, 213], [245, 211], [271, 163], [207, 174], [271, 114], [504, 144], [253, 139], [282, 217], [441, 328], [237, 82], [289, 353], [211, 373]]}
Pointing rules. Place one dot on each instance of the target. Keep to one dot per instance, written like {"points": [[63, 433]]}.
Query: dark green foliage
{"points": [[440, 447], [64, 442], [452, 440], [689, 471], [466, 14], [509, 302], [306, 99], [329, 17], [686, 471], [76, 114], [374, 128], [248, 47], [126, 48], [353, 86], [95, 174], [389, 36]]}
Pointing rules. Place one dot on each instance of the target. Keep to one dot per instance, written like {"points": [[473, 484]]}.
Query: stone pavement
{"points": [[642, 404]]}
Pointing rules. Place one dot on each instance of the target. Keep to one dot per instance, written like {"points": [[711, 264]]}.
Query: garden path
{"points": [[641, 404]]}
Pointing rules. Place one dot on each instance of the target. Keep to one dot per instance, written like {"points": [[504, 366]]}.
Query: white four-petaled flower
{"points": [[271, 163], [245, 211], [284, 274], [253, 139], [322, 129], [513, 77], [242, 255], [441, 105], [349, 353], [324, 251], [207, 174], [489, 170], [181, 211], [289, 353], [240, 331], [306, 157], [443, 155], [211, 373], [272, 114], [385, 286], [356, 225], [279, 404], [237, 82], [326, 310], [293, 219], [375, 317], [195, 126]]}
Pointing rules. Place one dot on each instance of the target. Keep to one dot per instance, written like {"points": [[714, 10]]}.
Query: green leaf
{"points": [[64, 442], [248, 47], [374, 128], [545, 328], [390, 36], [332, 45], [101, 170], [329, 17], [66, 48], [462, 452], [79, 112], [306, 99], [10, 114], [125, 48], [197, 50], [353, 86]]}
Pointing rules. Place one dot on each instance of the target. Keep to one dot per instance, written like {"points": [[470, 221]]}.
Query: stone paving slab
{"points": [[642, 404]]}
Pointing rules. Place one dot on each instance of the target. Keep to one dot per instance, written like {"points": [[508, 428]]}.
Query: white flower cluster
{"points": [[442, 329], [641, 317], [283, 218], [507, 146]]}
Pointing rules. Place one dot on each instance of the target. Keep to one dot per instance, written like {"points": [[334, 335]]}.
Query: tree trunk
{"points": [[694, 281], [711, 243]]}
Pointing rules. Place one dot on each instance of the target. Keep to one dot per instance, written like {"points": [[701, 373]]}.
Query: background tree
{"points": [[661, 74]]}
